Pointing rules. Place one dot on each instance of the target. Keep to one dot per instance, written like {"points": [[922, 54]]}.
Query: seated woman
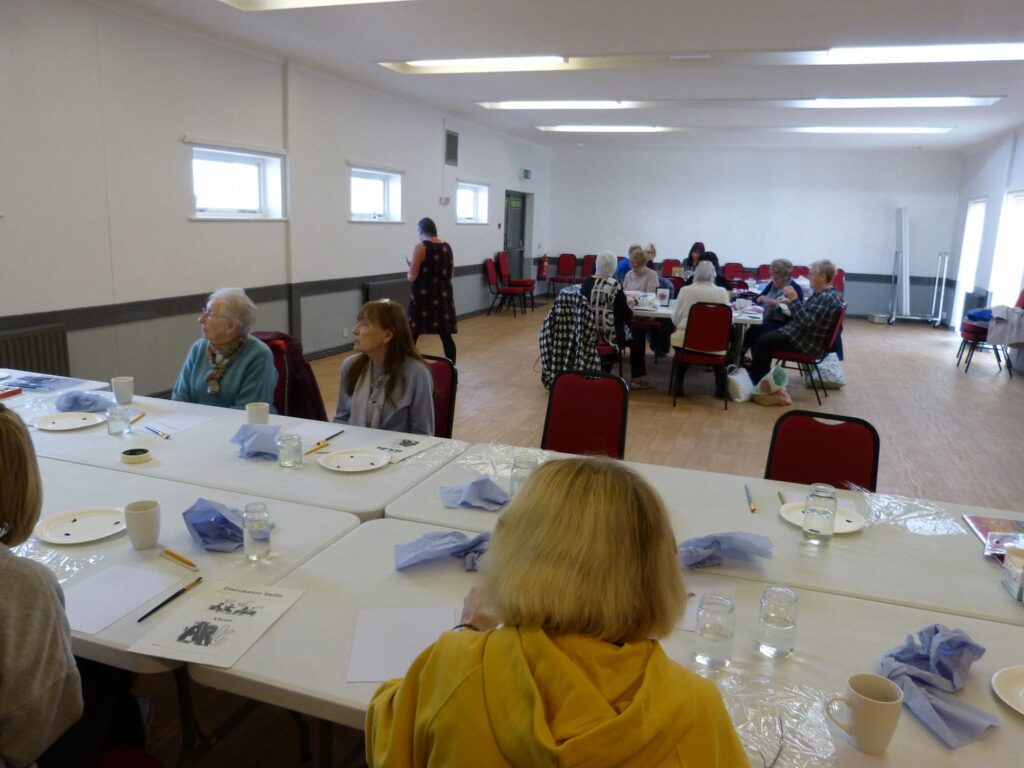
{"points": [[388, 385], [227, 367], [612, 315], [771, 299], [640, 277], [702, 288], [56, 710], [712, 258], [693, 258], [557, 664]]}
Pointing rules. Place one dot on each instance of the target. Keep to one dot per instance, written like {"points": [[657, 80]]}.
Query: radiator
{"points": [[396, 290], [42, 349]]}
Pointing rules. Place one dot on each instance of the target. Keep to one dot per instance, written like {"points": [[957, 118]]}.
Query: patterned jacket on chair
{"points": [[567, 337]]}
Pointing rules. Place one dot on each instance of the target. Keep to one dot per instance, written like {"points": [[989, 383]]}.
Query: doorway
{"points": [[515, 234]]}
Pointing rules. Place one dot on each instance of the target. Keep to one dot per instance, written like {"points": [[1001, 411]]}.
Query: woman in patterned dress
{"points": [[431, 306]]}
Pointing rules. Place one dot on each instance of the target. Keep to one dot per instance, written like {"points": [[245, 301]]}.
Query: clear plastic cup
{"points": [[289, 450], [776, 624], [820, 514], [256, 530], [118, 420], [522, 466], [716, 623]]}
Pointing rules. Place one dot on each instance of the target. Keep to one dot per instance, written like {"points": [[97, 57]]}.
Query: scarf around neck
{"points": [[220, 362]]}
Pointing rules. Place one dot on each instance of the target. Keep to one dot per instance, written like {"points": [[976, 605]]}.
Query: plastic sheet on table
{"points": [[925, 518], [64, 563], [438, 455], [780, 724], [32, 409], [495, 460]]}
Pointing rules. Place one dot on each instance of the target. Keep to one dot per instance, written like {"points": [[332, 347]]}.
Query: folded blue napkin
{"points": [[931, 669], [982, 315], [482, 493], [257, 441], [214, 526], [76, 400], [702, 551], [438, 545]]}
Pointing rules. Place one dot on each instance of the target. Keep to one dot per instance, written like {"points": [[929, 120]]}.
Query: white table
{"points": [[883, 562], [204, 455], [667, 312], [301, 662], [300, 532], [19, 402]]}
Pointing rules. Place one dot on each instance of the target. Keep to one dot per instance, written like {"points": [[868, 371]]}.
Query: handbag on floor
{"points": [[831, 370], [771, 389], [738, 384]]}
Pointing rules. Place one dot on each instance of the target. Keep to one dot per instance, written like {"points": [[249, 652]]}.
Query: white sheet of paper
{"points": [[388, 640], [217, 622], [697, 584], [176, 422], [98, 601], [401, 448]]}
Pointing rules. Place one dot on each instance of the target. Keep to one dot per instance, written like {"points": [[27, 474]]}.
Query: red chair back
{"points": [[839, 281], [587, 414], [764, 272], [668, 265], [731, 269], [492, 273], [296, 392], [566, 265], [589, 262], [801, 271], [842, 451], [446, 384], [708, 328], [502, 258], [1020, 301]]}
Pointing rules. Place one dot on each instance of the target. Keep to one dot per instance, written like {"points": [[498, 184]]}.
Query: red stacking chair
{"points": [[668, 265], [520, 282], [974, 336], [677, 285], [840, 451], [808, 364], [708, 328], [587, 414], [296, 393], [589, 262], [801, 272], [839, 281], [609, 353], [502, 293], [733, 270], [764, 272], [565, 272], [446, 384]]}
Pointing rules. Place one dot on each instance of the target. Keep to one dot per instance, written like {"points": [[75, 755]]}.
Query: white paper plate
{"points": [[355, 460], [81, 525], [61, 422], [1008, 683], [847, 521]]}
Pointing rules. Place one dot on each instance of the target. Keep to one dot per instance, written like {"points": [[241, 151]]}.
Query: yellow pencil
{"points": [[180, 559], [136, 418]]}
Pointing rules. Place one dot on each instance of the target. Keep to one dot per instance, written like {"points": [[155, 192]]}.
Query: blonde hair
{"points": [[637, 255], [585, 548], [21, 491]]}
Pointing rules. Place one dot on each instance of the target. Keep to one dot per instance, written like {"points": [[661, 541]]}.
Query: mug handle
{"points": [[831, 704]]}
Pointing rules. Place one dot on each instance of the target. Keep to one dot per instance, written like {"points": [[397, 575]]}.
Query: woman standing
{"points": [[388, 385], [431, 306]]}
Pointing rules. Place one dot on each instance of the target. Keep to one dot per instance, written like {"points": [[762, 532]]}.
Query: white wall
{"points": [[752, 206], [95, 180]]}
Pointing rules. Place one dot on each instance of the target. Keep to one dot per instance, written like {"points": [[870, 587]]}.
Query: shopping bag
{"points": [[738, 384]]}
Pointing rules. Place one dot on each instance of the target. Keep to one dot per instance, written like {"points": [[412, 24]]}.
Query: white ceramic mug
{"points": [[874, 703], [142, 518], [123, 388], [257, 413]]}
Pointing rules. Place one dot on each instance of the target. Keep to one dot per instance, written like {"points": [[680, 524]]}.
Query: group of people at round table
{"points": [[789, 323]]}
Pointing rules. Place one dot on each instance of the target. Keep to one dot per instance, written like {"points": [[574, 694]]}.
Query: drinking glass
{"points": [[289, 450], [820, 514], [118, 420], [776, 625], [522, 466], [716, 622], [256, 530]]}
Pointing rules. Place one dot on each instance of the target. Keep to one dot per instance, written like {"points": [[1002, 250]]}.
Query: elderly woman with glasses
{"points": [[388, 384], [558, 661], [227, 366]]}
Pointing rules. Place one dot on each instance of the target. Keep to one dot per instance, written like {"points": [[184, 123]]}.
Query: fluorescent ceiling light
{"points": [[280, 5], [578, 104], [897, 102], [880, 129], [496, 64], [926, 54], [606, 128]]}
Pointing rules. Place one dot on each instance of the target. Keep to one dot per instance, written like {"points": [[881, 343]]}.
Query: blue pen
{"points": [[156, 431]]}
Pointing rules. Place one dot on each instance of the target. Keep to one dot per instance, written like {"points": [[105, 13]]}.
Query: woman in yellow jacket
{"points": [[556, 665]]}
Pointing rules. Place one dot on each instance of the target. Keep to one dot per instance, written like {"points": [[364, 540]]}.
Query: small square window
{"points": [[234, 184], [470, 203], [376, 195]]}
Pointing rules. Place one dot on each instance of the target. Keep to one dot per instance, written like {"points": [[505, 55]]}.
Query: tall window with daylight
{"points": [[969, 250], [236, 184], [376, 195], [1008, 264], [470, 203]]}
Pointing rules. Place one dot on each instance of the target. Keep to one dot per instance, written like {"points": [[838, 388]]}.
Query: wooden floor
{"points": [[945, 435]]}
